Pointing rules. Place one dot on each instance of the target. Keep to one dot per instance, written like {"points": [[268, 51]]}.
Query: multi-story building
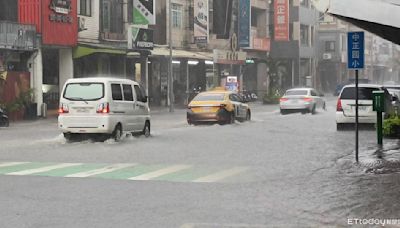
{"points": [[293, 44], [332, 52], [83, 38], [38, 43]]}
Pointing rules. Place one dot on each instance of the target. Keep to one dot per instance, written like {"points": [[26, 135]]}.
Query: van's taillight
{"points": [[103, 108], [63, 109], [339, 106]]}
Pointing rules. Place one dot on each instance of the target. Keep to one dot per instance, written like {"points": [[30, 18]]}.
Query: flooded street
{"points": [[280, 170]]}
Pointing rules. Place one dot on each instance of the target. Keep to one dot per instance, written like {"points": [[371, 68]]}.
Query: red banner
{"points": [[281, 20]]}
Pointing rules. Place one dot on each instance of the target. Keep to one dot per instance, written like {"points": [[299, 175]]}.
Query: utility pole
{"points": [[170, 76]]}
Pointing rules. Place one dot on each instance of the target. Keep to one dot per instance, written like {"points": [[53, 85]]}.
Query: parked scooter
{"points": [[4, 122]]}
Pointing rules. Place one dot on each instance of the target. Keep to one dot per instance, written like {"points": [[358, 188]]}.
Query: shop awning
{"points": [[81, 51], [381, 17], [161, 51]]}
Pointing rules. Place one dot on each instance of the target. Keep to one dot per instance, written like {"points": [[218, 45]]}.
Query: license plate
{"points": [[206, 109], [295, 101], [82, 110], [360, 108]]}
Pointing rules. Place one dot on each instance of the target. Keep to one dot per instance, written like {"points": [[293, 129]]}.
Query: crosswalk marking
{"points": [[43, 169], [161, 172], [12, 164], [221, 175], [128, 171], [106, 169]]}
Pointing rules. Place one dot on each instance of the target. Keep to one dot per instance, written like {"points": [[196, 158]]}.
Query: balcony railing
{"points": [[17, 36]]}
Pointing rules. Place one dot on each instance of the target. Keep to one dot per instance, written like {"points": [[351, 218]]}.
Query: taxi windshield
{"points": [[210, 97]]}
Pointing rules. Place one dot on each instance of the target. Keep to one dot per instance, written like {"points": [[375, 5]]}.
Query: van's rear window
{"points": [[349, 93], [84, 91]]}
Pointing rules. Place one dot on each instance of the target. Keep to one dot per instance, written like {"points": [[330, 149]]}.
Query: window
{"points": [[176, 15], [313, 93], [128, 94], [84, 91], [330, 46], [304, 3], [349, 93], [304, 36], [296, 92], [210, 97], [112, 16], [139, 94], [116, 92], [85, 8]]}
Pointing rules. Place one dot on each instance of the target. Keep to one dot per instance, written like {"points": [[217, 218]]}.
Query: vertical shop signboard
{"points": [[244, 23], [201, 21], [281, 20], [144, 12]]}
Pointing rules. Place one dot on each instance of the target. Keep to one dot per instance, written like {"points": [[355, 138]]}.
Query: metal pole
{"points": [[357, 116], [170, 76], [187, 83], [147, 74]]}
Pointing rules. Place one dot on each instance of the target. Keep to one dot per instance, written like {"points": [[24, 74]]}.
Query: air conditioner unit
{"points": [[327, 56]]}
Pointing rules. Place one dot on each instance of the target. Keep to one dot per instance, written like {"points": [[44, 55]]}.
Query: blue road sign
{"points": [[355, 50]]}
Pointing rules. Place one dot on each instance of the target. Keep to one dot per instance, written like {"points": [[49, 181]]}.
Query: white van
{"points": [[107, 106]]}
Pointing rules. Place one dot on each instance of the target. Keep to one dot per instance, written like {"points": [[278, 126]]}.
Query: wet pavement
{"points": [[276, 171]]}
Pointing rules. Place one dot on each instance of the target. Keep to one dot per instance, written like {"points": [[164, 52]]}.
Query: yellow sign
{"points": [[3, 75]]}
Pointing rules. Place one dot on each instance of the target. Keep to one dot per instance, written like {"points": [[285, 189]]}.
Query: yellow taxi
{"points": [[219, 106]]}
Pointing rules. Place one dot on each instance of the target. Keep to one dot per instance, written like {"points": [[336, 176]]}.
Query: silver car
{"points": [[306, 100]]}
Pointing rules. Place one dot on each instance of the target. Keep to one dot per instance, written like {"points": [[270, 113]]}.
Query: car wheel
{"points": [[146, 130], [117, 133], [313, 110], [231, 119], [305, 111], [283, 112], [248, 115], [67, 136], [6, 123], [324, 106], [340, 126]]}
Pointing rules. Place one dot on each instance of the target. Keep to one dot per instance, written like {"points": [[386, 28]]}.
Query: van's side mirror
{"points": [[145, 99]]}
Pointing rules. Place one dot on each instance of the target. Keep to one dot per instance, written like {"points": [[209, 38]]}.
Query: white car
{"points": [[345, 108], [106, 106], [306, 100]]}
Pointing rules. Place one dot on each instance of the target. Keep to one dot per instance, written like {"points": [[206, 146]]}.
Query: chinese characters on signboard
{"points": [[201, 21], [355, 50], [244, 23], [144, 12], [281, 20], [61, 11]]}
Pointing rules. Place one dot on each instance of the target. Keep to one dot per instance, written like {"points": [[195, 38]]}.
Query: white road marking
{"points": [[239, 225], [161, 172], [12, 164], [43, 169], [221, 175], [106, 169]]}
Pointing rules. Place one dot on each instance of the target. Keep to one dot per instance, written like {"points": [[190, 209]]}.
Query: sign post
{"points": [[379, 107], [355, 60]]}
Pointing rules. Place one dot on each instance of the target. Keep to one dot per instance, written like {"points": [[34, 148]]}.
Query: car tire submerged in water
{"points": [[313, 110], [146, 129], [340, 126], [248, 115], [117, 133]]}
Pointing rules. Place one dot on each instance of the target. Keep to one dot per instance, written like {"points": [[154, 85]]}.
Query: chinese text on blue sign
{"points": [[355, 50]]}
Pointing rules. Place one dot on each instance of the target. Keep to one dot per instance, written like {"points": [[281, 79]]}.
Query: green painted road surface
{"points": [[128, 171]]}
